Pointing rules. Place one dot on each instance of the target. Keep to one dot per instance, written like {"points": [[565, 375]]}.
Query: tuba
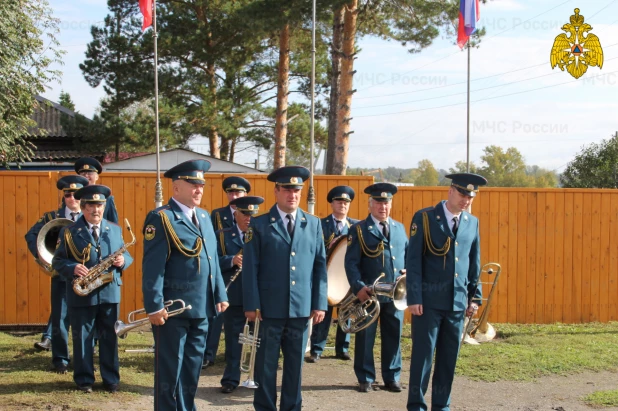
{"points": [[46, 242], [250, 343], [363, 314], [479, 329], [98, 276]]}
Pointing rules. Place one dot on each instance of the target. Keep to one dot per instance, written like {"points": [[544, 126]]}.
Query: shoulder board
{"points": [[161, 209]]}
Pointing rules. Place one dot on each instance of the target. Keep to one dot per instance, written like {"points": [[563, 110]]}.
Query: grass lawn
{"points": [[520, 353], [602, 399]]}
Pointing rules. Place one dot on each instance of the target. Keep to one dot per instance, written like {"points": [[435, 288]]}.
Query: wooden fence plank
{"points": [[578, 257], [567, 289], [502, 303], [586, 268], [550, 266], [540, 258], [559, 272], [522, 256], [509, 273], [10, 263], [613, 261], [604, 246]]}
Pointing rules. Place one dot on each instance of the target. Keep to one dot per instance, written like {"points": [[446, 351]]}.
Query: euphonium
{"points": [[46, 242], [122, 329], [363, 314], [98, 275], [250, 343]]}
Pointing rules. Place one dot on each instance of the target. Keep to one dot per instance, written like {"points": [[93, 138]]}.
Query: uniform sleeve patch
{"points": [[413, 229], [248, 235], [149, 232], [349, 240]]}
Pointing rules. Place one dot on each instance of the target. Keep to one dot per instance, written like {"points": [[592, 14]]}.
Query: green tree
{"points": [[541, 177], [28, 50], [504, 168], [596, 166], [65, 100], [427, 175], [118, 59]]}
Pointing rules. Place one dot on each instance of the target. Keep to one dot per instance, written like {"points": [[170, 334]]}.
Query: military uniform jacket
{"points": [[284, 278], [110, 240], [222, 218], [328, 228], [228, 246], [370, 254], [443, 282], [180, 262]]}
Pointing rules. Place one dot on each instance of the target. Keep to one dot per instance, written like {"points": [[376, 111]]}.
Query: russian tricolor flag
{"points": [[468, 16]]}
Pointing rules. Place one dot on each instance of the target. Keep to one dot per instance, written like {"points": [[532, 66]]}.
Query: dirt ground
{"points": [[331, 385]]}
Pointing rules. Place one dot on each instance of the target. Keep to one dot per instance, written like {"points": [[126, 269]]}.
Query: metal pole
{"points": [[311, 197], [468, 121], [158, 186]]}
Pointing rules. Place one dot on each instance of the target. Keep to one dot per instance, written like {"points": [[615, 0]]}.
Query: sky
{"points": [[410, 107]]}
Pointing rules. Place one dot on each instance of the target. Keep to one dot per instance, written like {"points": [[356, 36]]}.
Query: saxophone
{"points": [[98, 275]]}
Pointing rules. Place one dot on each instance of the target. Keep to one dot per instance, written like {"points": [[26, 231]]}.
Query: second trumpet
{"points": [[122, 329]]}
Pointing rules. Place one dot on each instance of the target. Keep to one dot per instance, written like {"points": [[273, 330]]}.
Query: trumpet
{"points": [[233, 278], [122, 329], [250, 343]]}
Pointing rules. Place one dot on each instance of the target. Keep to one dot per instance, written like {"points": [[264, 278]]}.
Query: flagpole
{"points": [[468, 120], [311, 196], [158, 186]]}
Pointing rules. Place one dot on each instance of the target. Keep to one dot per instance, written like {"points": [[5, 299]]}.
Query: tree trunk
{"points": [[282, 98], [213, 135], [335, 84], [232, 150], [345, 97]]}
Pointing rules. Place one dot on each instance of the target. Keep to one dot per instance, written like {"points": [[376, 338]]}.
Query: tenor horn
{"points": [[480, 329], [122, 329]]}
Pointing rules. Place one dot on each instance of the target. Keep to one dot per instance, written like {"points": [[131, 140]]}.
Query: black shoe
{"points": [[344, 356], [60, 369], [85, 388], [111, 388], [393, 386], [227, 388], [313, 358], [43, 345], [207, 364], [365, 387]]}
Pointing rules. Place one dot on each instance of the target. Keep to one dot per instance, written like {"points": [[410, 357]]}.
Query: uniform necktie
{"points": [[338, 226], [455, 225], [194, 219], [290, 225], [74, 216], [384, 225], [95, 235], [242, 237]]}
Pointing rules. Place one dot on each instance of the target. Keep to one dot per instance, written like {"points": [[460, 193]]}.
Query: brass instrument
{"points": [[46, 242], [363, 314], [250, 343], [481, 330], [98, 276], [123, 329]]}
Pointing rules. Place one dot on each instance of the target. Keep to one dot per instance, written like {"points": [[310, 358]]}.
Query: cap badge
{"points": [[293, 180], [199, 174], [383, 194], [233, 186], [86, 166], [96, 196], [250, 207], [345, 195], [72, 185], [470, 187]]}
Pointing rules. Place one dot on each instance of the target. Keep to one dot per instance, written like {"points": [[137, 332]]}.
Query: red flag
{"points": [[146, 8]]}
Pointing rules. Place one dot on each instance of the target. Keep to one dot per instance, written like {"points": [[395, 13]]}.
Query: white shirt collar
{"points": [[188, 212], [376, 221], [449, 216], [68, 211], [90, 226], [283, 215], [239, 232], [232, 211]]}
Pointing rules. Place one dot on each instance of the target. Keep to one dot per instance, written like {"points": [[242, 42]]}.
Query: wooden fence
{"points": [[556, 246]]}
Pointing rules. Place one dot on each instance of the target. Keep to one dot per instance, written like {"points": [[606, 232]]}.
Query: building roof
{"points": [[170, 158]]}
